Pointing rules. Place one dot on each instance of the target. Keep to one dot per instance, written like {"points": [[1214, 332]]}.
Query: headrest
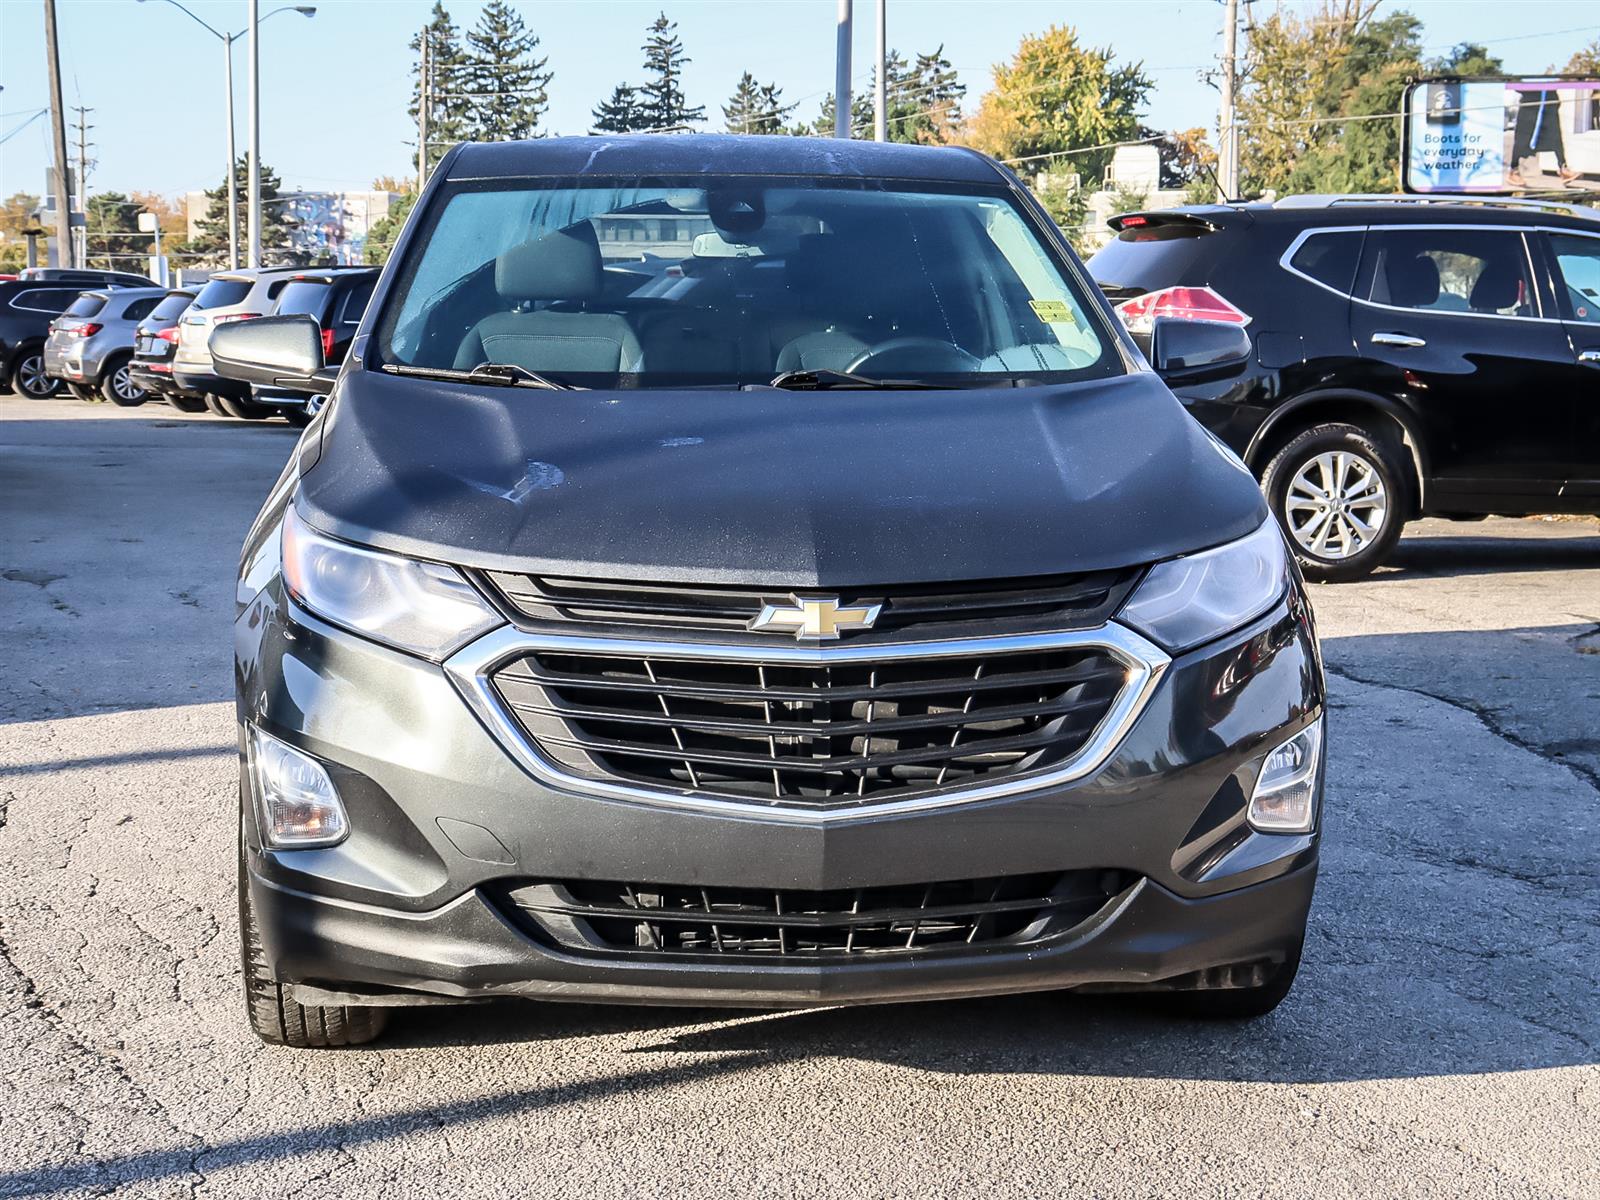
{"points": [[564, 264], [1499, 287], [1413, 282]]}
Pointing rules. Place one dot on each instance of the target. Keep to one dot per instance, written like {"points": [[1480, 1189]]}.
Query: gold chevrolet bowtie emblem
{"points": [[814, 618]]}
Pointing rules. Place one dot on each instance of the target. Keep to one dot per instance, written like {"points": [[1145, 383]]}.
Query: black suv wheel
{"points": [[1341, 496], [284, 1022], [28, 377]]}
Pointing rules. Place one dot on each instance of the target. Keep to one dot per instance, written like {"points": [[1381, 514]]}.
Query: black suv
{"points": [[27, 307], [758, 571], [333, 297], [1411, 357]]}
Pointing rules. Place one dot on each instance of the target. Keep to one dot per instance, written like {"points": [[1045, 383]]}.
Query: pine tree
{"points": [[755, 107], [210, 243], [662, 97], [507, 86], [449, 110], [621, 113]]}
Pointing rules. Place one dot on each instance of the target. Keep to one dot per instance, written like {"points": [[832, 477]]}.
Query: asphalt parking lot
{"points": [[1443, 1039]]}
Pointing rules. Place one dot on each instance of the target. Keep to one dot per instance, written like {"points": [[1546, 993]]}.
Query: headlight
{"points": [[1284, 800], [296, 799], [425, 608], [1189, 600]]}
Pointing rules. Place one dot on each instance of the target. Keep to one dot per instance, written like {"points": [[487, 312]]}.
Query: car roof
{"points": [[652, 154], [1322, 211]]}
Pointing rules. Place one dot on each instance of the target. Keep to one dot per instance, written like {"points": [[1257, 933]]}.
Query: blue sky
{"points": [[335, 87]]}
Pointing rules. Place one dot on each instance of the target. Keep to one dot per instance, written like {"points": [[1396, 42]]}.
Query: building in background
{"points": [[330, 227]]}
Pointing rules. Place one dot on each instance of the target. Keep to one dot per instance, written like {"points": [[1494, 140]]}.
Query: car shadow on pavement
{"points": [[1454, 555]]}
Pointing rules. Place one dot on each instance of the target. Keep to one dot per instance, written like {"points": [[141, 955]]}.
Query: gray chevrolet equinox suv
{"points": [[759, 572]]}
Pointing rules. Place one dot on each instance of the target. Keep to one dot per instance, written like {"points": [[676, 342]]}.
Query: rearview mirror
{"points": [[272, 352], [1197, 350]]}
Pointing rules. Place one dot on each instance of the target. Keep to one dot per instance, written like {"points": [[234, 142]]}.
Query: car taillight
{"points": [[327, 344], [226, 317], [169, 334], [1180, 303], [88, 330]]}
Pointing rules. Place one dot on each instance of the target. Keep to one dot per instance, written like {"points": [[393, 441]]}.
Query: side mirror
{"points": [[272, 352], [1198, 350]]}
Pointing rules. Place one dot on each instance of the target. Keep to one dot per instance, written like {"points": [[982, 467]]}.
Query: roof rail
{"points": [[1512, 202]]}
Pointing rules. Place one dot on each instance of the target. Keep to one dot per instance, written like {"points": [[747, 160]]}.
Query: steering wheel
{"points": [[922, 355]]}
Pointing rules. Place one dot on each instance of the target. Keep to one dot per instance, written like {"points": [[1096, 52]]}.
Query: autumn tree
{"points": [[1056, 95], [15, 216], [1585, 61], [507, 86]]}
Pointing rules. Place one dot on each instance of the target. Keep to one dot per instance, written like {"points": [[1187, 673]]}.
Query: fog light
{"points": [[1285, 796], [294, 796]]}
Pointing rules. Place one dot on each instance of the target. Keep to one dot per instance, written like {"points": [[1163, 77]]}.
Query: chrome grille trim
{"points": [[470, 669]]}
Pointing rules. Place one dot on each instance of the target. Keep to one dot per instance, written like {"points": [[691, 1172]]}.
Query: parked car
{"points": [[334, 297], [226, 297], [1410, 357], [155, 341], [85, 277], [26, 310], [90, 347], [759, 571]]}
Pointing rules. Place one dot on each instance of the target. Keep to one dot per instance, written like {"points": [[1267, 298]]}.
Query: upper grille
{"points": [[822, 732], [654, 919], [918, 611]]}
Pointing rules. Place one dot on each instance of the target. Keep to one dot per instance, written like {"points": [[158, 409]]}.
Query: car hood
{"points": [[822, 489]]}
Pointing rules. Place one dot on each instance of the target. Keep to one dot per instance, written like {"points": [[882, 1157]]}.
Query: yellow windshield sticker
{"points": [[1053, 312]]}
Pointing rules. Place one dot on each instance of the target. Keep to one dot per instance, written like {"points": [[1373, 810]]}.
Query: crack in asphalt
{"points": [[1485, 715]]}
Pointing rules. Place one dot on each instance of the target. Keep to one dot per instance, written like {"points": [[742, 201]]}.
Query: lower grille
{"points": [[818, 733], [674, 920]]}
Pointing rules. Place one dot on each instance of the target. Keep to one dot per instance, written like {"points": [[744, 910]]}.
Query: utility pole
{"points": [[255, 134], [1228, 159], [233, 160], [880, 98], [424, 98], [58, 136], [841, 75], [83, 149]]}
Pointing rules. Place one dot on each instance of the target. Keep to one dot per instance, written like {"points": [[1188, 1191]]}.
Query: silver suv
{"points": [[91, 344], [226, 297]]}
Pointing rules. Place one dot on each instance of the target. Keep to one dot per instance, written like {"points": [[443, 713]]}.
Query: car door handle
{"points": [[1590, 358], [1403, 340]]}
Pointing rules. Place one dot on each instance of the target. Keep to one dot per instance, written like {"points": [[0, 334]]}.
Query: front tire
{"points": [[1341, 496], [276, 1018], [1236, 1004], [28, 377], [117, 385], [186, 404], [244, 410]]}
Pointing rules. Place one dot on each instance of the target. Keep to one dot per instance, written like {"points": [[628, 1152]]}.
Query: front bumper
{"points": [[443, 818]]}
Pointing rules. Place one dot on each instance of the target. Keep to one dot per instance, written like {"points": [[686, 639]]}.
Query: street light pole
{"points": [[255, 133], [841, 74], [1228, 159], [233, 160], [880, 97]]}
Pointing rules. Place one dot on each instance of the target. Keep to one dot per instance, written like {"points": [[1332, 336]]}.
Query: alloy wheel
{"points": [[32, 379], [1336, 505], [122, 383]]}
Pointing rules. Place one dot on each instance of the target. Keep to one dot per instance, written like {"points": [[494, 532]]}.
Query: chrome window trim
{"points": [[1527, 258], [469, 669]]}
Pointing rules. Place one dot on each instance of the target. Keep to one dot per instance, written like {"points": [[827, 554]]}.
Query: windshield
{"points": [[735, 281], [171, 306], [303, 297], [219, 293]]}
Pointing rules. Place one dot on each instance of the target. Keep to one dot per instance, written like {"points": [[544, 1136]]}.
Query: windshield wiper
{"points": [[823, 378], [497, 374]]}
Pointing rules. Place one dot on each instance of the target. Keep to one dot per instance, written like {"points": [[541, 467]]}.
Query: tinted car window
{"points": [[1151, 257], [1330, 258], [221, 293], [1482, 271], [47, 300], [171, 307], [355, 303], [734, 280], [1579, 260], [85, 306], [140, 309], [303, 297]]}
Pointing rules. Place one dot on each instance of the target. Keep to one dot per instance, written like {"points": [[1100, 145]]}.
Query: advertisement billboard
{"points": [[1499, 136]]}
